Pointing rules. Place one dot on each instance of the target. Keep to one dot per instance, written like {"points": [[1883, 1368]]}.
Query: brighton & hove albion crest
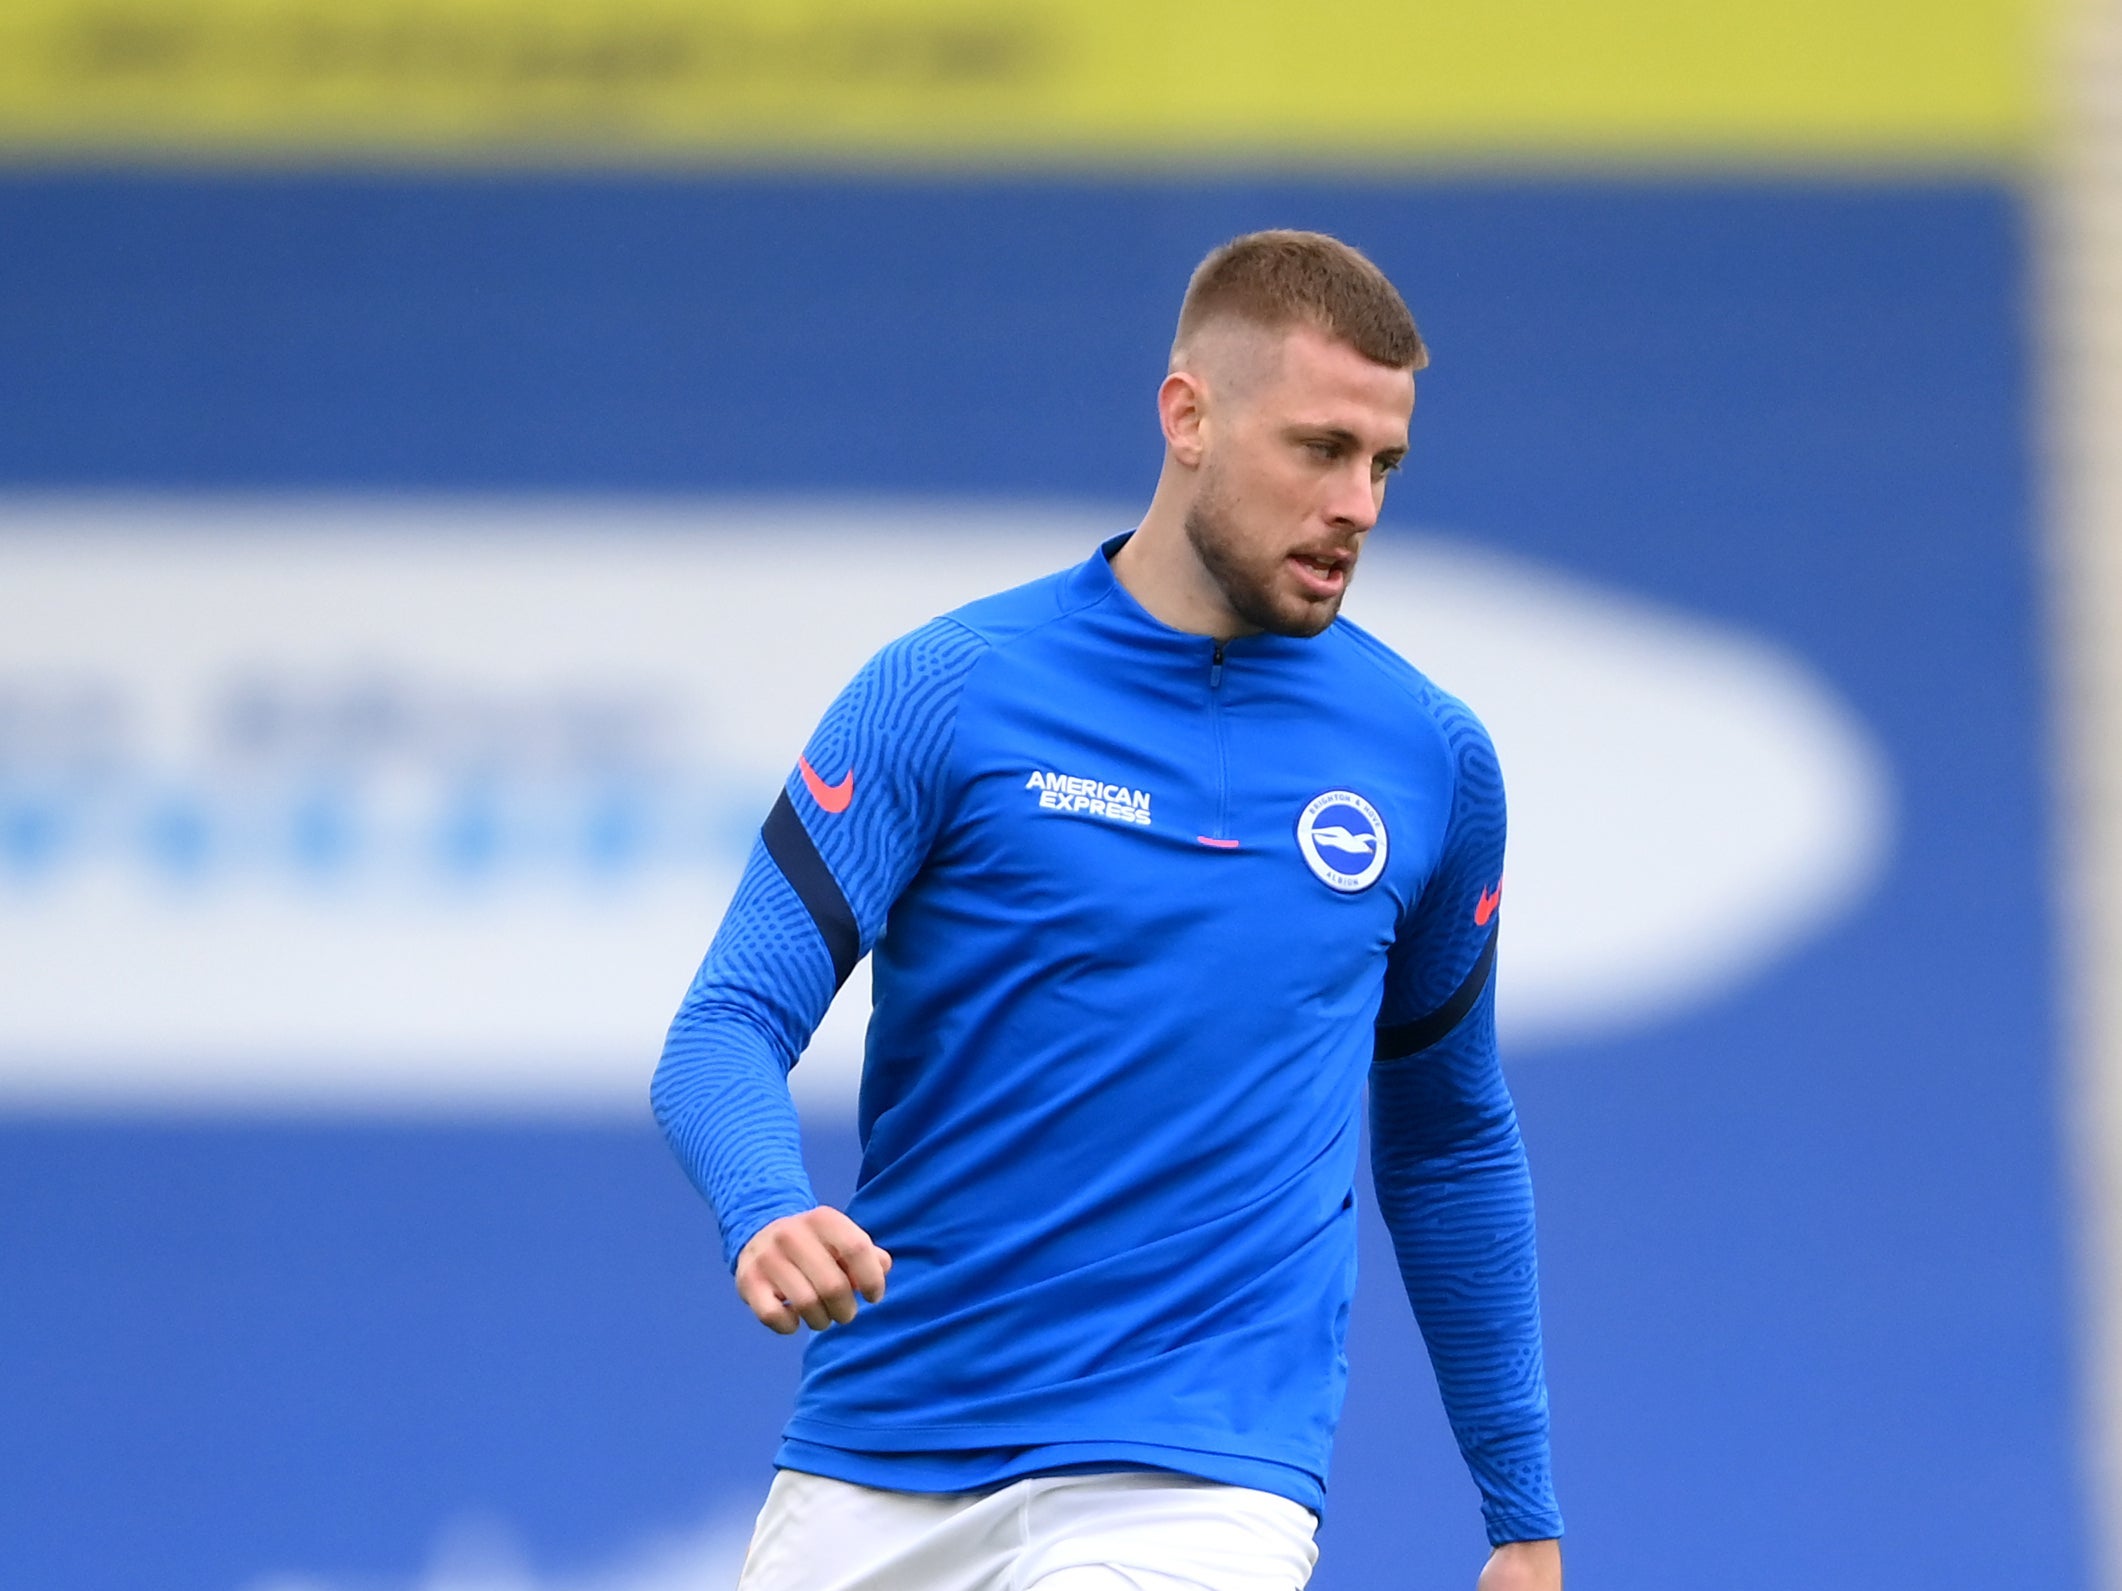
{"points": [[1343, 840]]}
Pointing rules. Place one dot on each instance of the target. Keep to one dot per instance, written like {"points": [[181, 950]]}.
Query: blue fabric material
{"points": [[1122, 1028]]}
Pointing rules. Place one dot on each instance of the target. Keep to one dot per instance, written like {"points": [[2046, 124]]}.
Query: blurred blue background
{"points": [[1805, 1248]]}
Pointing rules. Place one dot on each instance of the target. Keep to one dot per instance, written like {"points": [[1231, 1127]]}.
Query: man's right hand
{"points": [[809, 1268]]}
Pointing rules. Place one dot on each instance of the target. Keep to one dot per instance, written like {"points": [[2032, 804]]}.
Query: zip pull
{"points": [[1215, 668]]}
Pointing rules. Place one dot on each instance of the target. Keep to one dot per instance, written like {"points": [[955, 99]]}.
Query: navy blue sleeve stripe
{"points": [[1403, 1039], [721, 1087], [1448, 1160], [789, 843]]}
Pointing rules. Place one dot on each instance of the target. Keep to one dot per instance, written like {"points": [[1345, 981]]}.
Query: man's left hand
{"points": [[1523, 1566]]}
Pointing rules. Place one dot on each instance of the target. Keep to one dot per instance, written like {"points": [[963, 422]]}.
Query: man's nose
{"points": [[1354, 502]]}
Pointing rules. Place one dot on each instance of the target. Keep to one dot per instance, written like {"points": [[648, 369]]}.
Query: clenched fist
{"points": [[809, 1268]]}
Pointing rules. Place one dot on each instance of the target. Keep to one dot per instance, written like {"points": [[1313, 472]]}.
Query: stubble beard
{"points": [[1250, 591]]}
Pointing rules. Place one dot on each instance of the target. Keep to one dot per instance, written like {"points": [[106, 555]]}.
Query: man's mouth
{"points": [[1321, 574]]}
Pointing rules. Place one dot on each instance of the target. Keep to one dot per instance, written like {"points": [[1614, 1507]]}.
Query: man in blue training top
{"points": [[1161, 863]]}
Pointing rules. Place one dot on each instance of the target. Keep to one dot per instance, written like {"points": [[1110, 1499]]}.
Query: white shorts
{"points": [[1130, 1531]]}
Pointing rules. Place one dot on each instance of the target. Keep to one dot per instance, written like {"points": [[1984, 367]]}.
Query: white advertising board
{"points": [[433, 805]]}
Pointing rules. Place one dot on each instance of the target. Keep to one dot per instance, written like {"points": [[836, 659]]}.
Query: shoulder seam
{"points": [[1390, 676], [1425, 703], [989, 646], [949, 759], [995, 645], [956, 623]]}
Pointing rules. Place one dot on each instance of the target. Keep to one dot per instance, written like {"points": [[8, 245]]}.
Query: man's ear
{"points": [[1182, 406]]}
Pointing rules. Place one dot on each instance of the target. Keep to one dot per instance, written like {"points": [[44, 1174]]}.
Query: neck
{"points": [[1160, 569]]}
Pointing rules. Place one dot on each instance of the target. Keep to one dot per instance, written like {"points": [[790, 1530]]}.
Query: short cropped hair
{"points": [[1282, 278]]}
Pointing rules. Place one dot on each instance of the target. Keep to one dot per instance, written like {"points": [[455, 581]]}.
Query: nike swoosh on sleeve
{"points": [[832, 797], [1485, 907]]}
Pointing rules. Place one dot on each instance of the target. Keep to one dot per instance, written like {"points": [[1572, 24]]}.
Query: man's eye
{"points": [[1322, 449]]}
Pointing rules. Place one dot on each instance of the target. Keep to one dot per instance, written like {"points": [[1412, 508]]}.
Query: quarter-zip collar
{"points": [[1093, 582]]}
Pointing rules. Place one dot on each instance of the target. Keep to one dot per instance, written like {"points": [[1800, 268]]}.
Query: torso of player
{"points": [[1124, 1012], [1171, 872]]}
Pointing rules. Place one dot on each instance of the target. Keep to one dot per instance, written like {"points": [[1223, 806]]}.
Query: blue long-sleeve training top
{"points": [[1147, 911]]}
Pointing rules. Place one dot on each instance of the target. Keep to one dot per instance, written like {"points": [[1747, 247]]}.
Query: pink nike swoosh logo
{"points": [[832, 797], [1485, 907]]}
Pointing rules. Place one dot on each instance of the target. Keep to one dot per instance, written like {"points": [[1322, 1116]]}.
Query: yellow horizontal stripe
{"points": [[1011, 80]]}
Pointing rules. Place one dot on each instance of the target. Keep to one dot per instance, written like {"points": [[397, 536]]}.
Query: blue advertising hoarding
{"points": [[1805, 1240]]}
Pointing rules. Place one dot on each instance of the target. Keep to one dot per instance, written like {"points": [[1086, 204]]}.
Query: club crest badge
{"points": [[1343, 841]]}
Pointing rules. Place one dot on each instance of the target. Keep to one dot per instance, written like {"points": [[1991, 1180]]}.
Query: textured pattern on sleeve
{"points": [[1450, 1167], [891, 731], [721, 1089]]}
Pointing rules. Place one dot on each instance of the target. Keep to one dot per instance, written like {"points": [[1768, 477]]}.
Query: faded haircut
{"points": [[1282, 278]]}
